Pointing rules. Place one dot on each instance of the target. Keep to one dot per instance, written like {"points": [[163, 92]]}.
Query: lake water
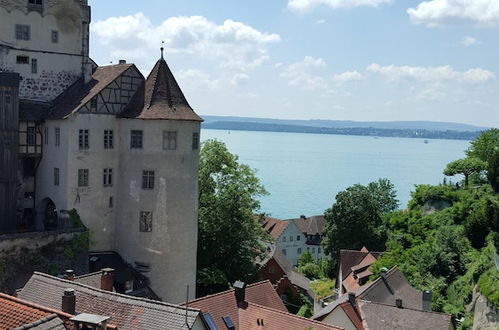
{"points": [[304, 172]]}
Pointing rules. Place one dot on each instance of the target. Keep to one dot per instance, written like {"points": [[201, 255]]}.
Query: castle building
{"points": [[120, 149]]}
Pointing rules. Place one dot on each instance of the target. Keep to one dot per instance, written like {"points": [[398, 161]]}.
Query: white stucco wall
{"points": [[59, 64], [171, 247], [288, 241]]}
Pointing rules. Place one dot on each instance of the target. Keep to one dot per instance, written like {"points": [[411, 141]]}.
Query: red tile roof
{"points": [[225, 304], [15, 312], [161, 98], [351, 258], [274, 226], [251, 317], [313, 225]]}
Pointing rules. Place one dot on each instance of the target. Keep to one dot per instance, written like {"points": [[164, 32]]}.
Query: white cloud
{"points": [[197, 79], [469, 41], [432, 74], [232, 44], [437, 12], [320, 21], [239, 79], [302, 74], [307, 5], [348, 76]]}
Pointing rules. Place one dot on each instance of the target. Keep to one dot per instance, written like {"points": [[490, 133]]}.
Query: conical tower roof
{"points": [[162, 98]]}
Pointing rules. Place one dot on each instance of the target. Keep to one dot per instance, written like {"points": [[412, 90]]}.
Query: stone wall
{"points": [[48, 252]]}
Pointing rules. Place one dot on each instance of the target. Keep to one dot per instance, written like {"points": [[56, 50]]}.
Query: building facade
{"points": [[120, 149]]}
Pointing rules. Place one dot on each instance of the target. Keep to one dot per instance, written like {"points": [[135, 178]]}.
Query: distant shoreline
{"points": [[357, 131]]}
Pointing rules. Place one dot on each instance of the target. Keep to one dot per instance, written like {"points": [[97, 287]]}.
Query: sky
{"points": [[369, 60]]}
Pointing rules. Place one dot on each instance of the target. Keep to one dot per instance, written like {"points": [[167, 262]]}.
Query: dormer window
{"points": [[35, 2], [35, 5]]}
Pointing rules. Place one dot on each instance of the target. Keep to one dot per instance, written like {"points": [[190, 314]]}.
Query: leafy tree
{"points": [[229, 233], [306, 258], [355, 219], [484, 145], [466, 167], [493, 170]]}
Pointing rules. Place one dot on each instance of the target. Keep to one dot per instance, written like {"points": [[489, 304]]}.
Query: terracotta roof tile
{"points": [[274, 226], [313, 225], [225, 304], [126, 312], [251, 316], [351, 258], [160, 98]]}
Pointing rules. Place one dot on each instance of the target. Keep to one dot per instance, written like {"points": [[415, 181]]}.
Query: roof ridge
{"points": [[369, 286], [88, 275], [133, 298], [225, 292], [409, 308], [293, 315]]}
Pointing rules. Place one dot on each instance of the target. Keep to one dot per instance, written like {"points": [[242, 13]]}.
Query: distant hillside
{"points": [[400, 125], [363, 131]]}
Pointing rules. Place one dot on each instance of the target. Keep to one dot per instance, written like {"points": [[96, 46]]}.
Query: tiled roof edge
{"points": [[407, 308], [33, 305], [152, 302], [224, 292]]}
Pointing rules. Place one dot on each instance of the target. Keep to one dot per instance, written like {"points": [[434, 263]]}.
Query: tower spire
{"points": [[162, 49]]}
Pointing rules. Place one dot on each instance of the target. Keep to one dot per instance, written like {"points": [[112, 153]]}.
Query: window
{"points": [[93, 104], [136, 139], [83, 139], [34, 65], [284, 251], [31, 136], [56, 176], [46, 135], [111, 202], [298, 250], [55, 36], [147, 179], [57, 132], [145, 221], [8, 99], [169, 140], [284, 238], [291, 238], [22, 59], [195, 141], [313, 250], [271, 269], [35, 2], [107, 178], [23, 32], [298, 237], [319, 250], [82, 177], [108, 139]]}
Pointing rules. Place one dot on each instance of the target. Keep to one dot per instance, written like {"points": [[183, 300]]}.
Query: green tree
{"points": [[355, 219], [493, 170], [466, 167], [484, 145], [229, 233]]}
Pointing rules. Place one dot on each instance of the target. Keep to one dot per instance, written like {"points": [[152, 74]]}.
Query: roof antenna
{"points": [[187, 298], [162, 48]]}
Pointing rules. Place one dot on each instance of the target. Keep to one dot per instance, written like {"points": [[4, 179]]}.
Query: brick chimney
{"points": [[69, 301], [240, 291], [69, 275], [106, 280]]}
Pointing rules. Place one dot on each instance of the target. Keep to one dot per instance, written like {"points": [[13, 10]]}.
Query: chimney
{"points": [[351, 299], [239, 290], [398, 303], [69, 301], [383, 272], [106, 279], [427, 300], [122, 61], [69, 275], [303, 216]]}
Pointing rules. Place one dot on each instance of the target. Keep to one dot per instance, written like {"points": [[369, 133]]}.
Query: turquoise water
{"points": [[304, 172]]}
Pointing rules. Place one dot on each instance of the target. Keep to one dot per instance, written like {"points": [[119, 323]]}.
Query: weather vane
{"points": [[162, 48]]}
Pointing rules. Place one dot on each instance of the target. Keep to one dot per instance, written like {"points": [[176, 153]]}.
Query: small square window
{"points": [[298, 237], [107, 178], [108, 139], [83, 139], [195, 141], [82, 177], [23, 32], [31, 136], [57, 132], [93, 104], [145, 221], [22, 59], [35, 2], [148, 180], [56, 176], [136, 139], [55, 36], [169, 140], [34, 65], [291, 238], [298, 250]]}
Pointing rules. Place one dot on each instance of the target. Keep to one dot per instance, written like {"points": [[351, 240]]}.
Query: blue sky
{"points": [[316, 59]]}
